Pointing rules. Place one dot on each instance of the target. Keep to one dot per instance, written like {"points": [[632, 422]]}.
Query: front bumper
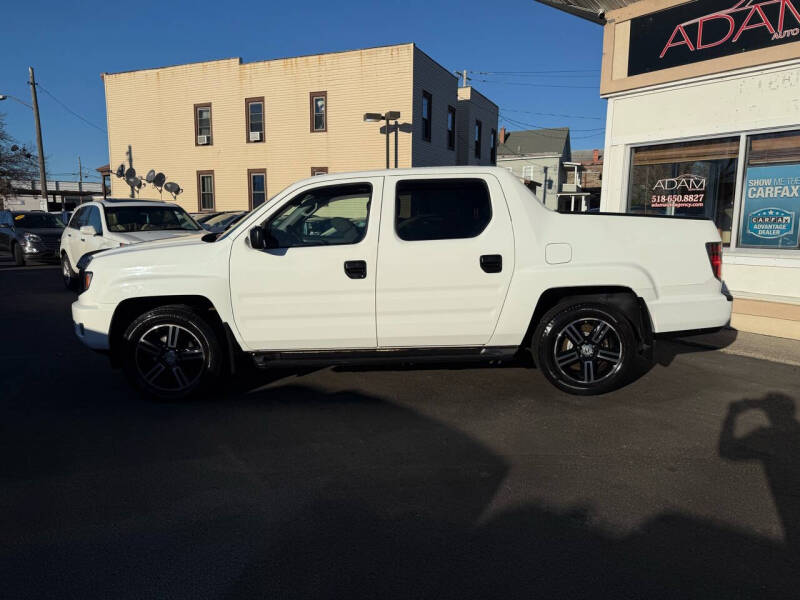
{"points": [[40, 250], [92, 324]]}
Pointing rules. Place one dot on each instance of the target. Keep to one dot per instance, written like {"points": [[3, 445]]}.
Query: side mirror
{"points": [[88, 230], [257, 238]]}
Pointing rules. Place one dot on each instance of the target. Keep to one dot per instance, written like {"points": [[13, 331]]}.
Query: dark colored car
{"points": [[204, 216], [222, 221], [33, 235]]}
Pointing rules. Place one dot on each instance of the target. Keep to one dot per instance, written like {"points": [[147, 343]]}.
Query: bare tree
{"points": [[16, 162]]}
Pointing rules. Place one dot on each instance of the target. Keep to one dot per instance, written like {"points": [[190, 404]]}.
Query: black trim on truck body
{"points": [[382, 355]]}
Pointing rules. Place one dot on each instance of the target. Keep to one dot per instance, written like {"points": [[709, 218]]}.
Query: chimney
{"points": [[596, 156], [502, 138]]}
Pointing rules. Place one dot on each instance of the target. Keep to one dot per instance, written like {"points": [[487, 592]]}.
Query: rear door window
{"points": [[441, 209]]}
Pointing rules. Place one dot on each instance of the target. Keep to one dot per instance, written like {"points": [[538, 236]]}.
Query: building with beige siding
{"points": [[232, 134]]}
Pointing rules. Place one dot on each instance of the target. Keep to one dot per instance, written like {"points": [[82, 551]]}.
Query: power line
{"points": [[544, 72], [539, 85], [519, 123], [72, 112], [530, 112]]}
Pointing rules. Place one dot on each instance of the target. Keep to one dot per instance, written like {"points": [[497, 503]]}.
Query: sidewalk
{"points": [[740, 343]]}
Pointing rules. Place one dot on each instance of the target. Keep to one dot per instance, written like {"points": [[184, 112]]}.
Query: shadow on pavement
{"points": [[297, 492]]}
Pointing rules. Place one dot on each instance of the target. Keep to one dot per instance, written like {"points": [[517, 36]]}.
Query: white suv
{"points": [[110, 223]]}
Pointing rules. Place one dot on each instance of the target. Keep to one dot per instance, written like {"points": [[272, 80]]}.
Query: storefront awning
{"points": [[593, 10]]}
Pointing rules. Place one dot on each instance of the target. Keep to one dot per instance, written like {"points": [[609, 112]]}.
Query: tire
{"points": [[67, 274], [585, 348], [19, 256], [171, 353]]}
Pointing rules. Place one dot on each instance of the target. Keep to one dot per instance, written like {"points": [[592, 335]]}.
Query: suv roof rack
{"points": [[113, 200]]}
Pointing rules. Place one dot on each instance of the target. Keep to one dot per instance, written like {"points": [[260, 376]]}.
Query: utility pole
{"points": [[80, 181], [42, 174]]}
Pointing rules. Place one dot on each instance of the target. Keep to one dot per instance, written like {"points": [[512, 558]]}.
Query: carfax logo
{"points": [[683, 191], [771, 223]]}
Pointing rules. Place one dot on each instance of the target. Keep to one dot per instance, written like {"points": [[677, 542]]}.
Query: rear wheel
{"points": [[19, 256], [68, 275], [171, 353], [585, 348]]}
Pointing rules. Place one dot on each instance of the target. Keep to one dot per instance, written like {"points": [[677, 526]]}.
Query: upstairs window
{"points": [[427, 104], [319, 111], [202, 124], [254, 109], [451, 128], [478, 135], [319, 171], [493, 147]]}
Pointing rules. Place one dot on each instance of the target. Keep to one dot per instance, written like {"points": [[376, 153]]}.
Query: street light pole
{"points": [[391, 115], [387, 142], [42, 174]]}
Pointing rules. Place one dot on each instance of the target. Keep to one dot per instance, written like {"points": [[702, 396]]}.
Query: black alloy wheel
{"points": [[172, 353], [585, 348]]}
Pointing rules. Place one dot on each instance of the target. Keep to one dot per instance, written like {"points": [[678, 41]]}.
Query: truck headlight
{"points": [[31, 237]]}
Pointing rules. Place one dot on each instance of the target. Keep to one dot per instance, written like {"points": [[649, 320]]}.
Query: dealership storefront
{"points": [[704, 119]]}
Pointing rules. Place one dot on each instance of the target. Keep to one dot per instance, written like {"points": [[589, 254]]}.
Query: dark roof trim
{"points": [[598, 17]]}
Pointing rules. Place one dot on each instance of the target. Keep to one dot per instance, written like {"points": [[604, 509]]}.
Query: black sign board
{"points": [[706, 29]]}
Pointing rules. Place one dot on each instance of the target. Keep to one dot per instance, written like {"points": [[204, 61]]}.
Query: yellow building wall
{"points": [[152, 111]]}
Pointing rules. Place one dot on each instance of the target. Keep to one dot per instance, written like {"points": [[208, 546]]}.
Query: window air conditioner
{"points": [[203, 140], [255, 136]]}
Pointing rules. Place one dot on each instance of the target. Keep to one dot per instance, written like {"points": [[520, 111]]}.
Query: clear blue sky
{"points": [[70, 44]]}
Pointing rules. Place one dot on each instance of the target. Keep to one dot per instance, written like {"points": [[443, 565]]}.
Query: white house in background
{"points": [[537, 157]]}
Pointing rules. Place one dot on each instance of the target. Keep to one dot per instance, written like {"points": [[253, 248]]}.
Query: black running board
{"points": [[382, 355]]}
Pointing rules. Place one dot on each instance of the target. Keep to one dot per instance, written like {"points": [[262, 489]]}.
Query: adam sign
{"points": [[700, 30], [683, 191]]}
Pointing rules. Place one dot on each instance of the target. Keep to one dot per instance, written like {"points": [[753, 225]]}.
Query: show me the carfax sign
{"points": [[771, 202]]}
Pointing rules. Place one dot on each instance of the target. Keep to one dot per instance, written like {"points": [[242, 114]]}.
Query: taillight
{"points": [[714, 250]]}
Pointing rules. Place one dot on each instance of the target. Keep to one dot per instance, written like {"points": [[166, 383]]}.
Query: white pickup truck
{"points": [[450, 263]]}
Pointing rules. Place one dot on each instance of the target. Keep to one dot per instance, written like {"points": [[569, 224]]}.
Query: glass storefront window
{"points": [[686, 179], [771, 192]]}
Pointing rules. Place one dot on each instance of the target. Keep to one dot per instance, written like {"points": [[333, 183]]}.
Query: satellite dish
{"points": [[151, 174], [158, 180], [120, 172], [130, 173], [137, 182], [131, 181], [173, 188]]}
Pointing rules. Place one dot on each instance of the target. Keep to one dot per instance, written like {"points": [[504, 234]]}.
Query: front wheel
{"points": [[585, 348], [67, 274], [171, 353], [19, 255]]}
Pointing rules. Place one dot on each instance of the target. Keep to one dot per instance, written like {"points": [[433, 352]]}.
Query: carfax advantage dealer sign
{"points": [[706, 29]]}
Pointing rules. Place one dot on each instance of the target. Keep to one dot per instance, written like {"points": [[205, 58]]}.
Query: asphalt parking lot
{"points": [[442, 482]]}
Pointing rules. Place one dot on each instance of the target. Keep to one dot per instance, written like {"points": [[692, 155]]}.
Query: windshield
{"points": [[125, 219], [37, 220]]}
